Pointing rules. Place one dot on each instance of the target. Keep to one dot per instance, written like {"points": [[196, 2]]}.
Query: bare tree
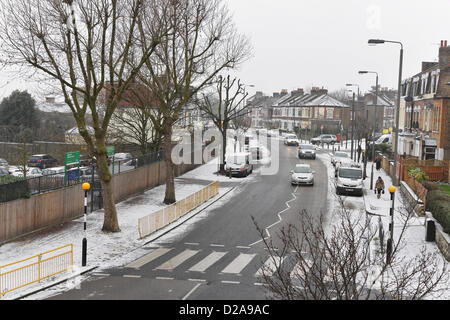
{"points": [[83, 47], [344, 260], [202, 41], [224, 106]]}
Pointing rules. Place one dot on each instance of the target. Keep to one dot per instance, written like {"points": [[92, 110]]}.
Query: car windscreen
{"points": [[307, 147], [302, 170], [341, 155], [291, 136], [35, 157], [350, 173], [236, 159]]}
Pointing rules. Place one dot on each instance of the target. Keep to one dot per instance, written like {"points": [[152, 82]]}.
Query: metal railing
{"points": [[50, 182], [157, 220], [21, 273]]}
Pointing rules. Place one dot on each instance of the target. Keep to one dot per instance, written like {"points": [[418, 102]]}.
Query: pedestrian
{"points": [[378, 162], [379, 187]]}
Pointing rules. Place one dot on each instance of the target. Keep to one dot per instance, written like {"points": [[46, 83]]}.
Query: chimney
{"points": [[298, 92], [276, 94], [283, 92], [444, 54], [318, 91]]}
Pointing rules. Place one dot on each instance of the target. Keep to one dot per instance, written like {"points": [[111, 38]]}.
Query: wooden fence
{"points": [[23, 216], [435, 170], [157, 220]]}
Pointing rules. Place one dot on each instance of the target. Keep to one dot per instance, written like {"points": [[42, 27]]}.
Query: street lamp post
{"points": [[86, 186], [397, 111], [375, 127], [391, 227], [353, 116]]}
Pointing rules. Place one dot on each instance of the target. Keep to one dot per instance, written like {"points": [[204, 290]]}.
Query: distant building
{"points": [[425, 110]]}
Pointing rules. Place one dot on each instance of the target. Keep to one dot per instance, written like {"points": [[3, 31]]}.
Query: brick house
{"points": [[425, 110]]}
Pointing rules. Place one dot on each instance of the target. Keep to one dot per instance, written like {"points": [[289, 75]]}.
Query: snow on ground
{"points": [[117, 249], [414, 237]]}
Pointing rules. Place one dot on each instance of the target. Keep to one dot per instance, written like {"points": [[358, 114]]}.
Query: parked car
{"points": [[53, 171], [41, 161], [31, 172], [349, 179], [302, 174], [3, 172], [324, 138], [4, 164], [291, 140], [306, 151], [375, 137], [239, 164], [339, 156]]}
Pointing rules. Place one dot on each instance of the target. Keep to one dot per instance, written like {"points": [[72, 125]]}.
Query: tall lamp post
{"points": [[353, 116], [375, 127], [397, 111]]}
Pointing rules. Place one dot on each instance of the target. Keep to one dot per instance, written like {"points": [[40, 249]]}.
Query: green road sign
{"points": [[110, 151], [71, 157]]}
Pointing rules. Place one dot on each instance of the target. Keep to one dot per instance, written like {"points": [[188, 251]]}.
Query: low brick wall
{"points": [[442, 238]]}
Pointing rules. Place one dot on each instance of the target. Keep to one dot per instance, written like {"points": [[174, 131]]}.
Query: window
{"points": [[330, 113]]}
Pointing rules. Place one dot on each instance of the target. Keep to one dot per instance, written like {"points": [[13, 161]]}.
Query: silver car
{"points": [[302, 174]]}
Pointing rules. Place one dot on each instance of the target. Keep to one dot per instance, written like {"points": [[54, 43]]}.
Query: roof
{"points": [[302, 165], [310, 100], [382, 100], [75, 130]]}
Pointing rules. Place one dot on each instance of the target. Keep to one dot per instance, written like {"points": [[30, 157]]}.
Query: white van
{"points": [[385, 138], [349, 179], [239, 164]]}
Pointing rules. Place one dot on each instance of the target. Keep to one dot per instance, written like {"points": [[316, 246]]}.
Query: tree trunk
{"points": [[170, 180], [224, 148], [110, 223]]}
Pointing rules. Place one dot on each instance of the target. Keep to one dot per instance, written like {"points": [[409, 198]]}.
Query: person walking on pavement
{"points": [[379, 187], [359, 152], [378, 162]]}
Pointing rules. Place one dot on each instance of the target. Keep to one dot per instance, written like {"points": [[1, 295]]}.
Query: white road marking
{"points": [[101, 274], [190, 292], [242, 247], [164, 278], [238, 264], [279, 218], [197, 280], [270, 266], [217, 245], [148, 258], [192, 243], [131, 276], [232, 282], [177, 260], [208, 261]]}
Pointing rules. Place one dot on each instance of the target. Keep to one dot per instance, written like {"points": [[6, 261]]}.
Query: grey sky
{"points": [[300, 43]]}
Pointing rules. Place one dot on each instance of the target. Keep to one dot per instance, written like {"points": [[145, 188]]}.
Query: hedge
{"points": [[12, 188], [438, 203]]}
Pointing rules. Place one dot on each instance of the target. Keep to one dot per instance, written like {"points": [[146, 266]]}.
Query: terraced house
{"points": [[425, 110]]}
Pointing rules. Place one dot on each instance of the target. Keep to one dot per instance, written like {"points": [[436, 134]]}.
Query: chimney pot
{"points": [[445, 43], [442, 43]]}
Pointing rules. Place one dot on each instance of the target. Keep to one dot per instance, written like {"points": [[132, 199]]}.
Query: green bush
{"points": [[430, 186], [12, 188], [438, 203]]}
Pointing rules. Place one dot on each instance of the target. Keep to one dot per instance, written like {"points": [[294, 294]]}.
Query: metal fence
{"points": [[157, 220], [34, 269], [46, 183]]}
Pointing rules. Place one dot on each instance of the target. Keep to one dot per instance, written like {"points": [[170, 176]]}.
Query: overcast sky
{"points": [[301, 43], [305, 43]]}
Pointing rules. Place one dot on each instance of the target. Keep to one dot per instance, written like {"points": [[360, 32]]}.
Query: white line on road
{"points": [[190, 292], [131, 276], [148, 258], [208, 261], [192, 243], [238, 264], [164, 278], [217, 245], [177, 260], [101, 274], [197, 280], [242, 247], [232, 282]]}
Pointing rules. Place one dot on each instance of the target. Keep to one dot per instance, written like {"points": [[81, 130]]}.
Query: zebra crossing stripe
{"points": [[270, 266], [239, 263], [208, 261], [177, 260], [148, 258]]}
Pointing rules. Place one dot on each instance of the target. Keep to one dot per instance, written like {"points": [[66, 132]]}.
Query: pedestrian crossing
{"points": [[199, 263]]}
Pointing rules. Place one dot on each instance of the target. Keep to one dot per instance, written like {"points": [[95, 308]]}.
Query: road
{"points": [[220, 256]]}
